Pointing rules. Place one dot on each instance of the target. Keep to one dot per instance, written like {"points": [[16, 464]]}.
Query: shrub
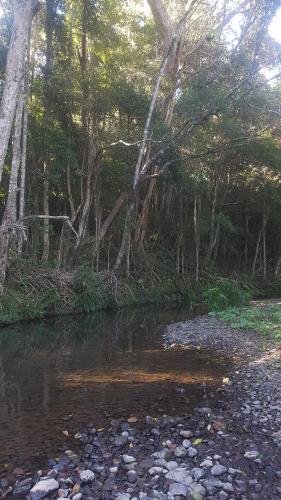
{"points": [[89, 291], [226, 293]]}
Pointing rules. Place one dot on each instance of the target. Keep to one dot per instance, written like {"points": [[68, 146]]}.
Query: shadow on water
{"points": [[60, 373]]}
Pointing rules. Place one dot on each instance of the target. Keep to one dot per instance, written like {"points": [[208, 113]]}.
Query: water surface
{"points": [[60, 373]]}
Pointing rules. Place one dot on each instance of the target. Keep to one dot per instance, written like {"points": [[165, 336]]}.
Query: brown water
{"points": [[58, 374]]}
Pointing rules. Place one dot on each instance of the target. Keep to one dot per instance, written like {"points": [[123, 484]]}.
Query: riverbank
{"points": [[228, 448], [33, 292]]}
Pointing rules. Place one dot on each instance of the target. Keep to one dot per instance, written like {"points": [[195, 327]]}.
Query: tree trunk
{"points": [[46, 205], [106, 224], [48, 70], [196, 216], [256, 253], [23, 14]]}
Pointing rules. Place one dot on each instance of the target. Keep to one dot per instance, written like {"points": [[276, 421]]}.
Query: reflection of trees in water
{"points": [[33, 355]]}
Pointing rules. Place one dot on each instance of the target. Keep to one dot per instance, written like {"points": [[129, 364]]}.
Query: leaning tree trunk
{"points": [[23, 13]]}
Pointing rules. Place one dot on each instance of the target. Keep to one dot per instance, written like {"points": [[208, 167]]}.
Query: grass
{"points": [[265, 319]]}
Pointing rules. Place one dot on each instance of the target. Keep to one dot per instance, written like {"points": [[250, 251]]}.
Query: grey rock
{"points": [[186, 443], [192, 452], [180, 475], [228, 487], [197, 491], [180, 451], [178, 489], [22, 487], [206, 463], [123, 496], [198, 473], [186, 434], [44, 488], [171, 465], [164, 453], [121, 440], [78, 496], [218, 470]]}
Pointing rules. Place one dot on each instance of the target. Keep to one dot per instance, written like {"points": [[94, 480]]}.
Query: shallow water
{"points": [[57, 374]]}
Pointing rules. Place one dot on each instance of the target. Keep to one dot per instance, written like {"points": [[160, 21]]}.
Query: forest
{"points": [[140, 142]]}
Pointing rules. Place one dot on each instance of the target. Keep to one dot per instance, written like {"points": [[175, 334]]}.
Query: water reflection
{"points": [[59, 373]]}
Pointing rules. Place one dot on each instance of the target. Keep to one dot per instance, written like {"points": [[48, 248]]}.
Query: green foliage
{"points": [[225, 293], [89, 291], [265, 319]]}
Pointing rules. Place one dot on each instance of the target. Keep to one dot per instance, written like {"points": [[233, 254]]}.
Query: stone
{"points": [[212, 485], [204, 411], [155, 470], [186, 434], [228, 487], [22, 488], [171, 465], [192, 452], [128, 459], [44, 488], [180, 451], [197, 473], [87, 476], [123, 496], [251, 455], [186, 443], [164, 453], [180, 475], [78, 496], [206, 463], [218, 470], [121, 440], [197, 491], [178, 489]]}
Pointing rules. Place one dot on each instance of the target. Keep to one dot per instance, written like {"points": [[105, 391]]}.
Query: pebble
{"points": [[251, 455], [128, 459], [87, 476]]}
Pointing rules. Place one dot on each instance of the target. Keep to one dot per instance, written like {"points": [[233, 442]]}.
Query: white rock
{"points": [[180, 451], [206, 463], [155, 470], [44, 488], [123, 496], [87, 476], [128, 459], [186, 443], [251, 455]]}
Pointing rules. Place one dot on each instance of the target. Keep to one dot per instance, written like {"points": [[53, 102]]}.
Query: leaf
{"points": [[197, 441], [195, 495], [76, 488]]}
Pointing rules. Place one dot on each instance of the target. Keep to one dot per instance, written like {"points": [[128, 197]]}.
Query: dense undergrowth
{"points": [[32, 292]]}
